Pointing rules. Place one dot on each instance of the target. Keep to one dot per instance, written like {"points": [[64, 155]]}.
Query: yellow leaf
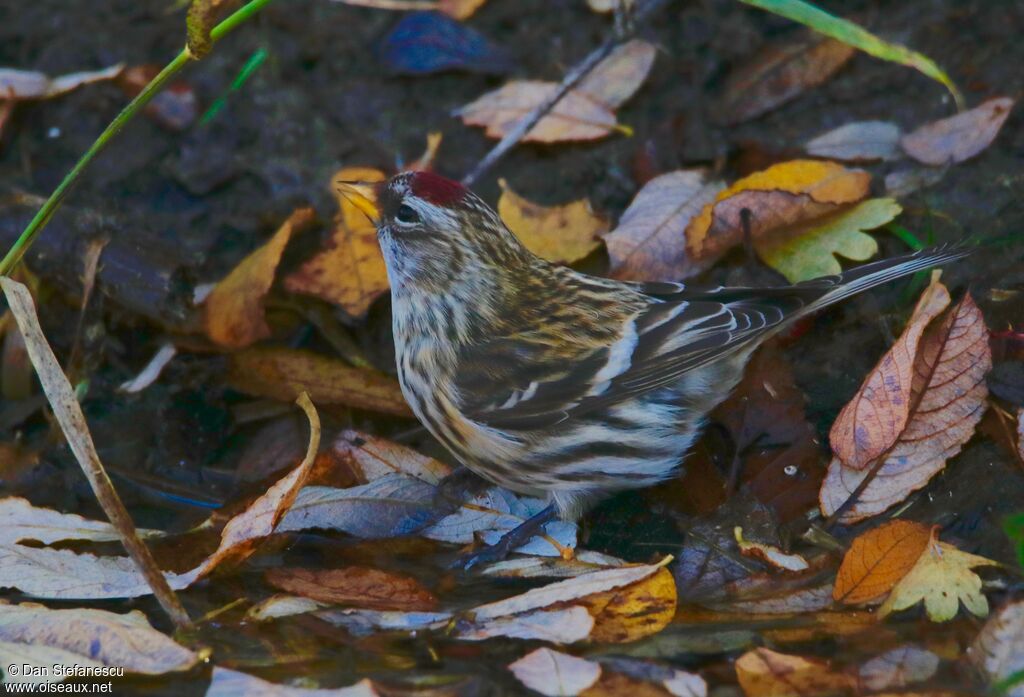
{"points": [[634, 611], [810, 251], [233, 315], [779, 198], [562, 234], [766, 673], [350, 271], [942, 578]]}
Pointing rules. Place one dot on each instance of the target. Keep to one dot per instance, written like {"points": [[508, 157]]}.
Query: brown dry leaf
{"points": [[766, 673], [770, 554], [18, 84], [780, 197], [946, 399], [878, 559], [872, 421], [281, 373], [998, 650], [860, 141], [562, 234], [79, 637], [350, 270], [778, 74], [584, 113], [373, 457], [942, 578], [233, 315], [959, 137], [554, 673], [649, 243], [619, 76], [898, 667], [355, 585], [575, 117]]}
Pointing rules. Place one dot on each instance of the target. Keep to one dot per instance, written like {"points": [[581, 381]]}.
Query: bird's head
{"points": [[433, 231]]}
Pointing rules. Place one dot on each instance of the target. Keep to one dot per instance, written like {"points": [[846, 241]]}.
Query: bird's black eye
{"points": [[407, 214]]}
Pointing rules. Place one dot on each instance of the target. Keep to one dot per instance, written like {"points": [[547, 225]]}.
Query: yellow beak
{"points": [[362, 196]]}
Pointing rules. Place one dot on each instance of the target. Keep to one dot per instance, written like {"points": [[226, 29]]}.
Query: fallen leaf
{"points": [[233, 315], [604, 6], [575, 117], [554, 673], [583, 113], [355, 585], [960, 137], [23, 521], [460, 9], [564, 626], [878, 559], [649, 243], [283, 373], [810, 251], [766, 673], [998, 650], [904, 182], [373, 457], [620, 74], [396, 504], [898, 667], [914, 412], [942, 578], [423, 43], [583, 562], [280, 605], [780, 197], [632, 612], [30, 84], [495, 512], [350, 270], [361, 623], [622, 676], [81, 638], [770, 554], [225, 682], [779, 74], [562, 234], [860, 141]]}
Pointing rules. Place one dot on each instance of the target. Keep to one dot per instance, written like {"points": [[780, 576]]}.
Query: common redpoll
{"points": [[553, 383]]}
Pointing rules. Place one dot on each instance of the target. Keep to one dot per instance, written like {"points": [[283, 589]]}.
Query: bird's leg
{"points": [[511, 540], [746, 216]]}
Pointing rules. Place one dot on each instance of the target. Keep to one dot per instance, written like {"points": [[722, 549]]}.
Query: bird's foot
{"points": [[511, 540]]}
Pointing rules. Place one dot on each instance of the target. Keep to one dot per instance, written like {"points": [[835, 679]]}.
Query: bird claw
{"points": [[490, 554]]}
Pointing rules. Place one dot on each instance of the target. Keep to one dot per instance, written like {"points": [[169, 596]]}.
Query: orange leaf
{"points": [[355, 585], [234, 309], [878, 559], [780, 197], [350, 271], [373, 457], [280, 373]]}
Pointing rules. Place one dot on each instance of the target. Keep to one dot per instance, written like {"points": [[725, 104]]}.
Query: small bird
{"points": [[554, 383]]}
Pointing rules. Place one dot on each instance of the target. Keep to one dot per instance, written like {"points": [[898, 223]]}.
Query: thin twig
{"points": [[72, 421], [644, 9]]}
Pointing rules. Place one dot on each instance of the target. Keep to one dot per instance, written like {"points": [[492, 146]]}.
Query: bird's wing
{"points": [[525, 380]]}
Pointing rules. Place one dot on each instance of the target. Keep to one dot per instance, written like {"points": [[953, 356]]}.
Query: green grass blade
{"points": [[858, 37]]}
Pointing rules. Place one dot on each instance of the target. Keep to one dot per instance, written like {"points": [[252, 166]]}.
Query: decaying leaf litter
{"points": [[744, 608]]}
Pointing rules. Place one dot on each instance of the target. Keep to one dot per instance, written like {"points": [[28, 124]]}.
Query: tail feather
{"points": [[876, 273]]}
